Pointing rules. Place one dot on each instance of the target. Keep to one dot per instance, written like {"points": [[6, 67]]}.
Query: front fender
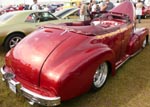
{"points": [[137, 39]]}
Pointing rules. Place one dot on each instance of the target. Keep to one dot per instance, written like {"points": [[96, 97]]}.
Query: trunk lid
{"points": [[27, 58]]}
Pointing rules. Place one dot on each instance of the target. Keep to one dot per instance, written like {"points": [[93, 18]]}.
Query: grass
{"points": [[130, 87]]}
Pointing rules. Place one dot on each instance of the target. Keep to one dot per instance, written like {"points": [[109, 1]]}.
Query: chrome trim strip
{"points": [[128, 58], [122, 63], [136, 52]]}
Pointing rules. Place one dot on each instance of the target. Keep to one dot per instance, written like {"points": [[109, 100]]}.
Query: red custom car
{"points": [[145, 11], [59, 62]]}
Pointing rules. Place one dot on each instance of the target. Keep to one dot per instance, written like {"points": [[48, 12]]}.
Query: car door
{"points": [[114, 41], [126, 32]]}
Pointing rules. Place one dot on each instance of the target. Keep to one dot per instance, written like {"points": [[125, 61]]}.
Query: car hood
{"points": [[127, 8], [27, 58]]}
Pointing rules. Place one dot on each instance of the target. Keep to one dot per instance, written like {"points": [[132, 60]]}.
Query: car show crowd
{"points": [[86, 7], [93, 5], [76, 10], [49, 7]]}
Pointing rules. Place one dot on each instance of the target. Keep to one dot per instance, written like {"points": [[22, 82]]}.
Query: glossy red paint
{"points": [[146, 11], [126, 8], [61, 60]]}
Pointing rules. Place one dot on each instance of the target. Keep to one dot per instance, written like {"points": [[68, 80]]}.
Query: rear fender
{"points": [[103, 54], [80, 77]]}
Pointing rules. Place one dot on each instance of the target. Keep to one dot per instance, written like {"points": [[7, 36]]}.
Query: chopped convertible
{"points": [[59, 62]]}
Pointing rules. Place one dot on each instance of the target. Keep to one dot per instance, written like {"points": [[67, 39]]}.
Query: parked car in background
{"points": [[16, 25], [59, 62], [53, 7], [146, 11], [72, 3], [9, 8]]}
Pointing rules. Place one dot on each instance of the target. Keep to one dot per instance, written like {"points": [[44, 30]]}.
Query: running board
{"points": [[125, 59]]}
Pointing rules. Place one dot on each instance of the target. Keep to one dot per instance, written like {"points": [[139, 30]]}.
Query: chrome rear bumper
{"points": [[33, 97]]}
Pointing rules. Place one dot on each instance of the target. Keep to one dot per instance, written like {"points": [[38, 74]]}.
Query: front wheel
{"points": [[100, 76], [12, 40]]}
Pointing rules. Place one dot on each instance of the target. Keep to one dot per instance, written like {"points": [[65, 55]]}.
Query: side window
{"points": [[32, 18], [46, 16]]}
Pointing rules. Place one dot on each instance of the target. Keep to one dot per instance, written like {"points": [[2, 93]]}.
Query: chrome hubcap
{"points": [[100, 75], [14, 41]]}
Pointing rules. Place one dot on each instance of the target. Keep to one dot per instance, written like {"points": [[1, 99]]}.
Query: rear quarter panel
{"points": [[71, 74]]}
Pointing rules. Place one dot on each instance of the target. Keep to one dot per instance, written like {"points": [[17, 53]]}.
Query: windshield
{"points": [[110, 16], [62, 13], [5, 17]]}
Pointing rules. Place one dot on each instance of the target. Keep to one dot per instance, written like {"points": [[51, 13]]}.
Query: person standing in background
{"points": [[35, 5], [106, 5], [138, 10], [84, 10], [93, 6]]}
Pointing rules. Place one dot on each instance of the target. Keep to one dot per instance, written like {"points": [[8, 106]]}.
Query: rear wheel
{"points": [[100, 76], [12, 40]]}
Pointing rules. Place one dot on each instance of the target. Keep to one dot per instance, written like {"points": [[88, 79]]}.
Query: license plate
{"points": [[12, 87]]}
